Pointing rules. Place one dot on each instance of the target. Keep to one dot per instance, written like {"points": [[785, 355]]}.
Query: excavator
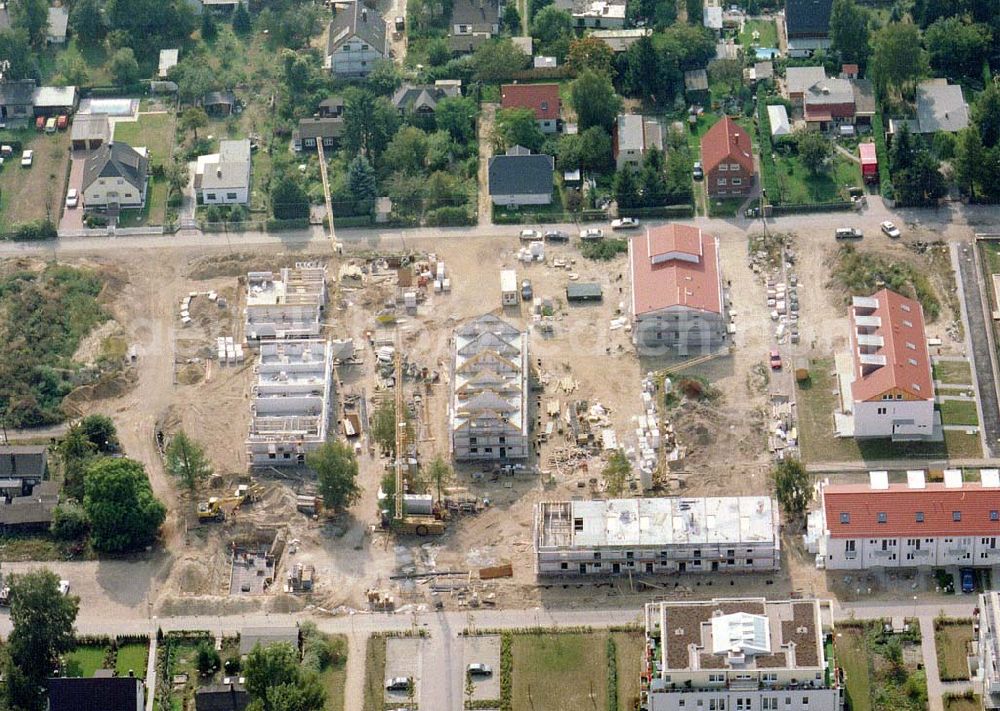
{"points": [[217, 508]]}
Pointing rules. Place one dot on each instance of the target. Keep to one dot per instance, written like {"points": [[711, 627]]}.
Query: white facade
{"points": [[894, 418], [657, 536], [741, 654], [291, 402], [104, 192], [223, 178], [288, 305], [988, 643], [354, 58], [509, 200], [508, 287]]}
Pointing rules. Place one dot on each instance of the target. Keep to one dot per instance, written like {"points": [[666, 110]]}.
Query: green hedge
{"points": [[768, 172], [838, 206], [506, 672], [449, 216], [33, 231], [612, 652], [547, 218], [882, 154], [353, 221], [685, 210]]}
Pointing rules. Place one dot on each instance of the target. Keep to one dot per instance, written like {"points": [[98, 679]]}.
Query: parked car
{"points": [[625, 223], [968, 580], [530, 235], [526, 292], [50, 125], [477, 669], [556, 236], [72, 198], [400, 23], [397, 683], [890, 229], [591, 233], [62, 122], [698, 173], [26, 158], [40, 123], [64, 587], [849, 233], [775, 360]]}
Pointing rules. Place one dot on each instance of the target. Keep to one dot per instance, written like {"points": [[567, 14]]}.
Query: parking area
{"points": [[403, 659], [483, 650], [72, 218]]}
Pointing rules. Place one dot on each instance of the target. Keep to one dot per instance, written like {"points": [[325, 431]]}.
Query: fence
{"points": [[543, 218]]}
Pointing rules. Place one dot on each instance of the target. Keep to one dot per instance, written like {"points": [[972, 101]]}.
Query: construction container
{"points": [[418, 504]]}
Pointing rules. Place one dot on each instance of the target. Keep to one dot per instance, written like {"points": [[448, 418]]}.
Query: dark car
{"points": [[556, 236], [968, 580], [698, 172]]}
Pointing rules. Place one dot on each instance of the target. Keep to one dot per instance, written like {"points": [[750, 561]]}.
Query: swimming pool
{"points": [[109, 107]]}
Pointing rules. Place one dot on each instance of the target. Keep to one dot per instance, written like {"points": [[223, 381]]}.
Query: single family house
{"points": [[633, 137], [355, 40], [223, 178], [542, 99], [115, 177], [727, 159], [521, 178]]}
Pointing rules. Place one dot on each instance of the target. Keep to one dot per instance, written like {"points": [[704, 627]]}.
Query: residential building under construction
{"points": [[287, 305], [489, 421], [291, 402]]}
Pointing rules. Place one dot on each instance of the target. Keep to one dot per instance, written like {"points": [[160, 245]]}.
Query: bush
{"points": [[69, 522], [604, 250], [506, 672], [232, 665], [449, 216], [33, 231], [208, 661]]}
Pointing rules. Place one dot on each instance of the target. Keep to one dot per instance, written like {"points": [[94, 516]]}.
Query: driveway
{"points": [[486, 119], [72, 218]]}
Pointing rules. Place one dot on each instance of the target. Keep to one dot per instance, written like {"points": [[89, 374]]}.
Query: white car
{"points": [[530, 236], [72, 198], [26, 158], [625, 223], [64, 587], [890, 229], [591, 233]]}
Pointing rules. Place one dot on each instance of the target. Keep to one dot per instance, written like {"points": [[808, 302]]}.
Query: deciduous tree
{"points": [[16, 52], [496, 60], [32, 16], [986, 115], [101, 432], [407, 152], [194, 118], [124, 514], [595, 101], [186, 460], [956, 46], [124, 67], [793, 487], [457, 116], [590, 53], [814, 149], [898, 59], [518, 127], [337, 473], [850, 31], [87, 22], [370, 122]]}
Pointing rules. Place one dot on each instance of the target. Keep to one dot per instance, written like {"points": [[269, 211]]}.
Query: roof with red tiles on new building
{"points": [[907, 359], [674, 265], [976, 507], [726, 141], [543, 99]]}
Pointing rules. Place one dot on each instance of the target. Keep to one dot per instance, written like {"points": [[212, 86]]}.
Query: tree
{"points": [[194, 118], [87, 22], [595, 101], [849, 31], [16, 52], [590, 53], [42, 619], [814, 149], [616, 473], [124, 514], [32, 16], [370, 122], [969, 160], [288, 199], [194, 79], [641, 69], [100, 431], [626, 189], [653, 179], [921, 183], [518, 127], [956, 46], [147, 25], [337, 473], [595, 150], [72, 69], [511, 19], [209, 28], [76, 452], [728, 72], [186, 460], [306, 695], [407, 152], [384, 78], [695, 11], [496, 60], [384, 427], [898, 59], [69, 522], [207, 659], [440, 473], [902, 150], [457, 116], [551, 25], [793, 487], [986, 115], [269, 668], [361, 180], [124, 68], [241, 19]]}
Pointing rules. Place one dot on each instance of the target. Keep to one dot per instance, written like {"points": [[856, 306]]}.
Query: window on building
{"points": [[723, 167], [230, 196], [210, 196], [994, 515], [845, 517], [473, 440], [564, 566], [734, 166], [488, 450], [577, 524], [882, 410], [882, 517], [737, 181], [474, 450], [597, 555], [956, 515], [849, 546], [920, 516]]}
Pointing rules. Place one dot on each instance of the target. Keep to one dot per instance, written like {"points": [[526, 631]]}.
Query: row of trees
{"points": [[977, 151]]}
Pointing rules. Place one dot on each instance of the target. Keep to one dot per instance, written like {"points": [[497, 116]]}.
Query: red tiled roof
{"points": [[901, 504], [543, 99], [685, 272], [726, 141], [908, 362], [867, 153]]}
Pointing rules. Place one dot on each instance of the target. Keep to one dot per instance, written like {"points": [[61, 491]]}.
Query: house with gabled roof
{"points": [[521, 177], [115, 176], [422, 99], [677, 302], [727, 158], [807, 26], [355, 40], [542, 99], [488, 408], [886, 385]]}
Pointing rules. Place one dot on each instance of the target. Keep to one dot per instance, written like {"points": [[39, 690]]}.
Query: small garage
{"points": [[585, 291], [90, 131]]}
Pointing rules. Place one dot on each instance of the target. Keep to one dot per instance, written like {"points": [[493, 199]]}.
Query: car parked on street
{"points": [[698, 173], [890, 229], [530, 235], [775, 360], [968, 580], [625, 223], [477, 669], [849, 233], [526, 292], [591, 234], [397, 683], [27, 157], [556, 236]]}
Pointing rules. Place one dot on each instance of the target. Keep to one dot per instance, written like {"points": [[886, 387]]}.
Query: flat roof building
{"points": [[738, 653], [287, 305], [657, 536]]}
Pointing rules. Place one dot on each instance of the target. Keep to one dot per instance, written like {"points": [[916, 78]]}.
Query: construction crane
{"points": [[420, 524]]}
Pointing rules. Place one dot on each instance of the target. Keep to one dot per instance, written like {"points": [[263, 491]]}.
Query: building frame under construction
{"points": [[288, 305]]}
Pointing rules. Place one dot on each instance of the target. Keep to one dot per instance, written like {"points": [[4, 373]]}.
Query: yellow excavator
{"points": [[217, 508]]}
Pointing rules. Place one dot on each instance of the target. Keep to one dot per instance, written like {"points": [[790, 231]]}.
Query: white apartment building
{"points": [[886, 386], [988, 643], [291, 402], [906, 525], [739, 654], [287, 305], [658, 536], [489, 392]]}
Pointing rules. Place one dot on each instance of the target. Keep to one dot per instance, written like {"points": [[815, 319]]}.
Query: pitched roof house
{"points": [[542, 99], [17, 102], [676, 300], [941, 107], [313, 129], [475, 17], [355, 40], [223, 178], [115, 176], [119, 693], [222, 697], [727, 159], [635, 136], [422, 99], [521, 178], [807, 26], [888, 386], [58, 22]]}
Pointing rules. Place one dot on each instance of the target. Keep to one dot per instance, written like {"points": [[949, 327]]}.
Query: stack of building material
{"points": [[220, 343], [647, 434]]}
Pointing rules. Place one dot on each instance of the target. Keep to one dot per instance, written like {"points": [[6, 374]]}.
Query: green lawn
{"points": [[630, 647], [724, 207], [959, 412], [564, 671], [850, 647], [134, 657], [796, 185], [953, 372], [963, 703], [334, 678], [766, 28], [375, 674], [874, 681], [817, 399], [84, 661], [154, 211], [952, 638], [154, 131]]}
